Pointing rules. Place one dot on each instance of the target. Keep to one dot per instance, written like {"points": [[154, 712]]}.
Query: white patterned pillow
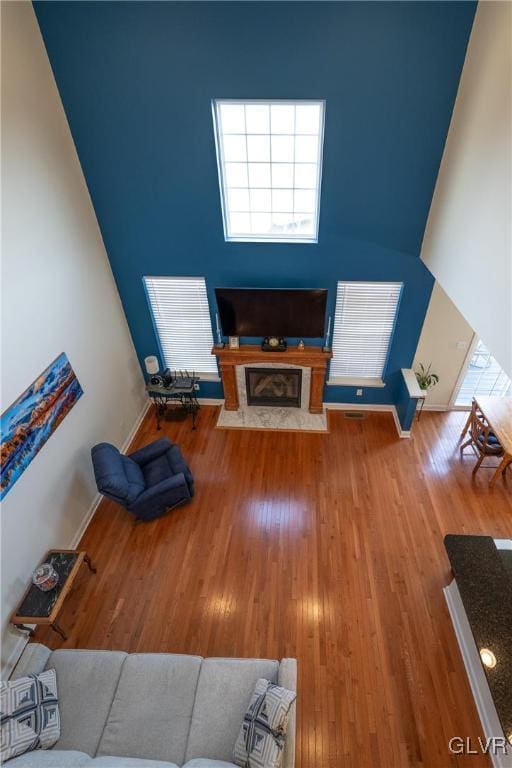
{"points": [[260, 741], [29, 714]]}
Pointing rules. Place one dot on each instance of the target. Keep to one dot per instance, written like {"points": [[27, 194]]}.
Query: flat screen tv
{"points": [[287, 312]]}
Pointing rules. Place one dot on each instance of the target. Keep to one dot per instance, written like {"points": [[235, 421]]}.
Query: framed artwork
{"points": [[28, 423], [234, 342]]}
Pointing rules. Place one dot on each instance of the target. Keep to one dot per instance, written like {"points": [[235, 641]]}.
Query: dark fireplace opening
{"points": [[273, 386]]}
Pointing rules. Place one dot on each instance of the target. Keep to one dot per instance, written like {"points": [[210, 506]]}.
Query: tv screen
{"points": [[272, 312]]}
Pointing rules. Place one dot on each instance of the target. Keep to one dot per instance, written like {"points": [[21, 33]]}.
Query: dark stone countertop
{"points": [[38, 603], [484, 577]]}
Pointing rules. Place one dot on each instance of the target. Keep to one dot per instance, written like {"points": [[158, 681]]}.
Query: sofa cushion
{"points": [[205, 762], [151, 712], [51, 758], [106, 761], [29, 711], [223, 694], [87, 681], [157, 470]]}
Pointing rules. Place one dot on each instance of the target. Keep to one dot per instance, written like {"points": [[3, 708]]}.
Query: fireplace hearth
{"points": [[280, 387]]}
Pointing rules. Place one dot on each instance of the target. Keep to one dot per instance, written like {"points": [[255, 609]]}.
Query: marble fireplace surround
{"points": [[272, 417], [236, 413]]}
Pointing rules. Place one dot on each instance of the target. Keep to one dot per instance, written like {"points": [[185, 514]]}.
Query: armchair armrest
{"points": [[171, 487], [151, 451]]}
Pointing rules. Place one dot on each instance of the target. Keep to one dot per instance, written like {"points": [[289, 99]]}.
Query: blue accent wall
{"points": [[405, 404], [137, 79]]}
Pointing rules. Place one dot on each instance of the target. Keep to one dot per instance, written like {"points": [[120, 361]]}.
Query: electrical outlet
{"points": [[359, 392], [196, 387]]}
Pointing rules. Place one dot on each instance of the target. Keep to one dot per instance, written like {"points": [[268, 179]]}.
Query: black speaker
{"points": [[167, 378]]}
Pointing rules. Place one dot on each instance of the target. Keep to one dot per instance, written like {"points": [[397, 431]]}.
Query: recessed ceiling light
{"points": [[488, 658]]}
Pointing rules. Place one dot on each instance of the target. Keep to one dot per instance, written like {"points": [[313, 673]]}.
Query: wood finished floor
{"points": [[324, 547]]}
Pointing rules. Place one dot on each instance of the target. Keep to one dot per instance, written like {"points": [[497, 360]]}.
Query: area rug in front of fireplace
{"points": [[272, 418]]}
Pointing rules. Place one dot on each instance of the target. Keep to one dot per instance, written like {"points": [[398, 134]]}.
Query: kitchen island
{"points": [[480, 603]]}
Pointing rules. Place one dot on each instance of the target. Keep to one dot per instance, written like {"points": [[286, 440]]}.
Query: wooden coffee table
{"points": [[38, 607]]}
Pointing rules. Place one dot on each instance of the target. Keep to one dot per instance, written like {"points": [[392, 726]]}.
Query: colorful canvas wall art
{"points": [[34, 416]]}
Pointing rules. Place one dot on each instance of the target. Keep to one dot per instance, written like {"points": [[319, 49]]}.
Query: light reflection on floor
{"points": [[287, 512]]}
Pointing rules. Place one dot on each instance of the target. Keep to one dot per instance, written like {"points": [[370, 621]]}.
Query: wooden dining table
{"points": [[498, 412]]}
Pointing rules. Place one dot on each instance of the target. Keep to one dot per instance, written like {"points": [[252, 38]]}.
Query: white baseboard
{"points": [[23, 640], [359, 407], [434, 407], [401, 432], [135, 428], [94, 506], [376, 407]]}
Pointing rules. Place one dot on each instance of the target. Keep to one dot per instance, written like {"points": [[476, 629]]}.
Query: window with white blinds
{"points": [[363, 326], [182, 318]]}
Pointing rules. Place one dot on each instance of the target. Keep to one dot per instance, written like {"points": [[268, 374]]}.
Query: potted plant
{"points": [[426, 379]]}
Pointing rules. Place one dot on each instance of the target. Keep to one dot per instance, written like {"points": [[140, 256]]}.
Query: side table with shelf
{"points": [[179, 399]]}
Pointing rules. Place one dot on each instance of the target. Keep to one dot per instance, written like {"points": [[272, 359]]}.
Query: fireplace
{"points": [[274, 386]]}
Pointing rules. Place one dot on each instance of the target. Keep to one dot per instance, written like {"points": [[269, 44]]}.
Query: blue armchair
{"points": [[147, 482]]}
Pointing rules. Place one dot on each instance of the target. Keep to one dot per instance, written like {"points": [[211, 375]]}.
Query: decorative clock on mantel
{"points": [[273, 344]]}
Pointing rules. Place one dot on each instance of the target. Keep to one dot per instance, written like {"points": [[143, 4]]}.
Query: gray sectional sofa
{"points": [[149, 710]]}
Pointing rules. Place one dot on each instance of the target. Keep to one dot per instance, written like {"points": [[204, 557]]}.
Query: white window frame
{"points": [[207, 375], [462, 375], [220, 167], [364, 381]]}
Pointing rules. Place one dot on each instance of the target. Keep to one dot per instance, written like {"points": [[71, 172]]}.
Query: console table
{"points": [[180, 398], [309, 357], [38, 607]]}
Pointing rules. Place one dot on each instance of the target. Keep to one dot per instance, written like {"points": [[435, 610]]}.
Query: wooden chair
{"points": [[481, 437], [474, 410]]}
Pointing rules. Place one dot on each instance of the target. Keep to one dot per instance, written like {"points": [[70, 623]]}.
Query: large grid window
{"points": [[270, 165], [363, 326], [181, 315], [484, 376]]}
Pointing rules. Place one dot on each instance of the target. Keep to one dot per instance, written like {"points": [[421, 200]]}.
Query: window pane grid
{"points": [[484, 376], [363, 326], [181, 314], [269, 180]]}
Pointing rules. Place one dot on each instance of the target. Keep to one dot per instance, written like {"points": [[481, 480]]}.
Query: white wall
{"points": [[58, 295], [468, 244], [443, 330]]}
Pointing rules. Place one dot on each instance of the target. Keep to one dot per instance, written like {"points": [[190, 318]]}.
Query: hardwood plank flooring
{"points": [[327, 547]]}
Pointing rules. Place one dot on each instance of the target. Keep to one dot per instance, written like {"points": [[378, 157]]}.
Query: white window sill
{"points": [[262, 239], [346, 381]]}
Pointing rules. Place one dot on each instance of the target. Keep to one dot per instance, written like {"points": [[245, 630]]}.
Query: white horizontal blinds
{"points": [[363, 325], [270, 157], [182, 319]]}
